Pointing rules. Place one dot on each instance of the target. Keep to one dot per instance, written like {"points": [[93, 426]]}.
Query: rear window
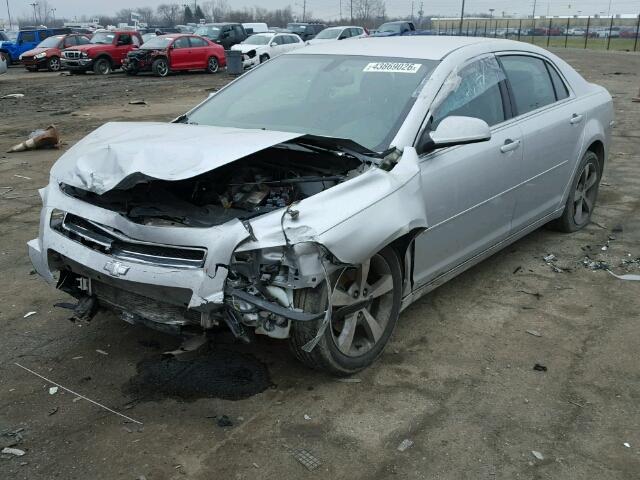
{"points": [[28, 36], [558, 84]]}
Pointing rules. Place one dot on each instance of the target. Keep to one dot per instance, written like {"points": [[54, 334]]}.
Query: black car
{"points": [[306, 31], [225, 34]]}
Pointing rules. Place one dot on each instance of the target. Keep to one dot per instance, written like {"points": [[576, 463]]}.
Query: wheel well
{"points": [[105, 57], [401, 245], [597, 147]]}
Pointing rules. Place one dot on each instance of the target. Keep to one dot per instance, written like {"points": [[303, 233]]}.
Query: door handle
{"points": [[575, 118], [510, 145]]}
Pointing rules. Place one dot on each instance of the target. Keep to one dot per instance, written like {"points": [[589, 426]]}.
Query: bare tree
{"points": [[365, 12], [146, 15], [169, 13], [216, 10]]}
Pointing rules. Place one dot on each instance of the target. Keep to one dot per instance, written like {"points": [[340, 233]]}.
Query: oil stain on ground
{"points": [[217, 374]]}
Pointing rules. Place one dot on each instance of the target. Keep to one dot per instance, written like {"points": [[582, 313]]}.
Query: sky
{"points": [[329, 9]]}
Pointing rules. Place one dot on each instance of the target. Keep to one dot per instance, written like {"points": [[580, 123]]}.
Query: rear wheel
{"points": [[365, 309], [160, 67], [582, 195], [102, 66], [53, 64], [212, 65]]}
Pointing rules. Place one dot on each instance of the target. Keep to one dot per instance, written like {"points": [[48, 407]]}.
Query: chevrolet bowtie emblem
{"points": [[116, 268]]}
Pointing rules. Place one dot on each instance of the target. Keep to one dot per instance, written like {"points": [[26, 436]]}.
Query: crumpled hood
{"points": [[244, 48], [133, 151]]}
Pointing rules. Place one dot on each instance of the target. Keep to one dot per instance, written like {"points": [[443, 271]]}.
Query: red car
{"points": [[104, 53], [48, 52], [175, 52]]}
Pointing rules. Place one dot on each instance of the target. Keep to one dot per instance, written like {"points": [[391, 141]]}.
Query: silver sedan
{"points": [[316, 197]]}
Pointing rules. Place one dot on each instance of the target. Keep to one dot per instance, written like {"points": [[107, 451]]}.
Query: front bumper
{"points": [[250, 62], [77, 64], [136, 65], [32, 62], [196, 291]]}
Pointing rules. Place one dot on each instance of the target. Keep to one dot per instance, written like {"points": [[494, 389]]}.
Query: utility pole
{"points": [[35, 18], [351, 7], [412, 11], [340, 11], [461, 18], [304, 10], [534, 10], [53, 13], [609, 11], [9, 14]]}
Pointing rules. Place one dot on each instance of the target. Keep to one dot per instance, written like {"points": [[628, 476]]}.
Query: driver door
{"points": [[469, 190]]}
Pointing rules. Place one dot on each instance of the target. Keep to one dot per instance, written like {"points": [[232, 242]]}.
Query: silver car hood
{"points": [[124, 153]]}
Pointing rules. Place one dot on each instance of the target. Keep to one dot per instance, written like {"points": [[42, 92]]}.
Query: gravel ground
{"points": [[457, 379]]}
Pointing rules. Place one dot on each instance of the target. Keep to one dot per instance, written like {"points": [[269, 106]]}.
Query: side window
{"points": [[355, 32], [42, 34], [82, 40], [124, 39], [238, 31], [197, 42], [28, 37], [135, 40], [70, 41], [473, 91], [530, 82], [182, 42], [278, 40], [346, 33], [558, 84]]}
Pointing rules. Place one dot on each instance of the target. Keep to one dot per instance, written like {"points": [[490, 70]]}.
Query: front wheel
{"points": [[212, 65], [365, 309], [160, 67], [264, 57], [102, 66], [53, 64], [582, 195]]}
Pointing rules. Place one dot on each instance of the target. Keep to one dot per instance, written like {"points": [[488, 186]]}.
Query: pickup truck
{"points": [[225, 34], [27, 40], [105, 52]]}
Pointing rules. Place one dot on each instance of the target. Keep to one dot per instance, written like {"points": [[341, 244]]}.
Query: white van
{"points": [[252, 28]]}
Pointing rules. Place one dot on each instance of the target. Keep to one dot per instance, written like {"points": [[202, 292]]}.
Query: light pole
{"points": [[461, 18], [491, 10], [9, 14], [34, 5], [53, 13]]}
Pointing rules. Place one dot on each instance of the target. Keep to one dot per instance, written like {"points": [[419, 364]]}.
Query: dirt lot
{"points": [[457, 378]]}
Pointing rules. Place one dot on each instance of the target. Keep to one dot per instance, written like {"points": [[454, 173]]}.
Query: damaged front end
{"points": [[141, 59]]}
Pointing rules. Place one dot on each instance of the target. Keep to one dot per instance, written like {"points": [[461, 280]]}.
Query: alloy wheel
{"points": [[585, 194], [54, 64], [212, 66], [362, 303]]}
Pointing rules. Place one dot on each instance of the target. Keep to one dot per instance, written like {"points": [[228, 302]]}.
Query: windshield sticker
{"points": [[392, 67]]}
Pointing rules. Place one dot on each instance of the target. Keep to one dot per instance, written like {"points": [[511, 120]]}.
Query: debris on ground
{"points": [[53, 411], [405, 445], [535, 333], [47, 138], [22, 176], [224, 421], [617, 228], [626, 444], [13, 451], [305, 457], [28, 314], [191, 344], [137, 102], [518, 268], [630, 277], [307, 417], [549, 258], [13, 95], [101, 352], [539, 367], [53, 390], [538, 295], [595, 264], [538, 455]]}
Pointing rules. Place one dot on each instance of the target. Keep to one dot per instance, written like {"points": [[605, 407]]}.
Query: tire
{"points": [[160, 67], [53, 64], [582, 201], [213, 65], [102, 66], [337, 352], [264, 57]]}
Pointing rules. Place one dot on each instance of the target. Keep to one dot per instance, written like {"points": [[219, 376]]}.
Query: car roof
{"points": [[427, 47]]}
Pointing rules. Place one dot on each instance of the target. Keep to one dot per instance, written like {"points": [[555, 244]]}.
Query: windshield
{"points": [[258, 39], [364, 99], [329, 33], [103, 37], [50, 42], [157, 43], [208, 31], [3, 37], [390, 27], [296, 27]]}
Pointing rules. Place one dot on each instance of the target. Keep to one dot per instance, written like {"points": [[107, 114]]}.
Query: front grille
{"points": [[72, 54], [145, 307], [111, 242]]}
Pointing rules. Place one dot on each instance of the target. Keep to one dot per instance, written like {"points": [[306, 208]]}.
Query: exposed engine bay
{"points": [[260, 183]]}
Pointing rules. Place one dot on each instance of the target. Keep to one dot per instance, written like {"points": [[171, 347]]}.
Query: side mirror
{"points": [[454, 131], [341, 37], [273, 44]]}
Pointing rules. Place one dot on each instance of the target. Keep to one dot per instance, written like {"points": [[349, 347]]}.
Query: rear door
{"points": [[279, 48], [181, 56], [199, 52], [469, 189], [552, 122]]}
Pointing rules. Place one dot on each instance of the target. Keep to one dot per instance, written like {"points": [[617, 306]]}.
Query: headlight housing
{"points": [[40, 55], [84, 55], [57, 217]]}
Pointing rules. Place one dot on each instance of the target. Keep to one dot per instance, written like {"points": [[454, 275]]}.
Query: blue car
{"points": [[27, 40]]}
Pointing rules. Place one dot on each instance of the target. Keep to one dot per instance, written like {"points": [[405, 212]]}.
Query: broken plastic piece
{"points": [[13, 451], [538, 455], [47, 138], [626, 277], [539, 367], [405, 445], [306, 458]]}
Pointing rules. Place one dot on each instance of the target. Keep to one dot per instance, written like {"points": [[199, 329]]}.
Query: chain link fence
{"points": [[600, 33]]}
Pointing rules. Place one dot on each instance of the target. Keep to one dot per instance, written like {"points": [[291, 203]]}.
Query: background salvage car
{"points": [[261, 47], [176, 52], [319, 195], [103, 54], [48, 52]]}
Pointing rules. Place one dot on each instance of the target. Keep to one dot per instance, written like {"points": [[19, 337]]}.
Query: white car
{"points": [[261, 47], [3, 64], [252, 28], [337, 33]]}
